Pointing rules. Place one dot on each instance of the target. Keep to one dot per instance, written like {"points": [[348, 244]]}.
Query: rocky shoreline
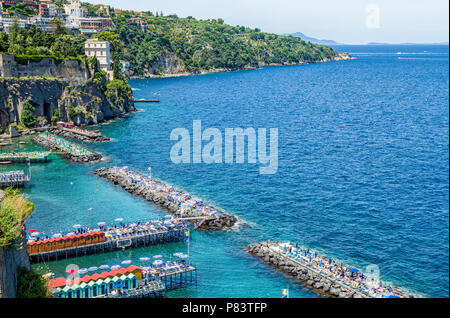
{"points": [[319, 283], [212, 224], [339, 57], [81, 158], [81, 137]]}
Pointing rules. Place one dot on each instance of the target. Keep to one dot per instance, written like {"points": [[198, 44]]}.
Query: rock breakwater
{"points": [[80, 134], [324, 276], [179, 204]]}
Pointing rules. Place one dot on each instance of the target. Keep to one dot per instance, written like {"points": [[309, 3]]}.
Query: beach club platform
{"points": [[58, 250]]}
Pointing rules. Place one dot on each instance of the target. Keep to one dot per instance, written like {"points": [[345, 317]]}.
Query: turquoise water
{"points": [[363, 170]]}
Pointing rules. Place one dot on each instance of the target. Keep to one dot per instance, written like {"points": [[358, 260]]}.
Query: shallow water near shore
{"points": [[363, 170]]}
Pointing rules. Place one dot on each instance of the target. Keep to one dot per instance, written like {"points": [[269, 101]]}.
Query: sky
{"points": [[344, 21]]}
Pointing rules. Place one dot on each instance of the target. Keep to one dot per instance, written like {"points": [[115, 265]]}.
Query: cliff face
{"points": [[72, 90], [71, 70]]}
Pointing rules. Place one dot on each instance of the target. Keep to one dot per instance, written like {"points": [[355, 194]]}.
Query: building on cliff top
{"points": [[100, 49]]}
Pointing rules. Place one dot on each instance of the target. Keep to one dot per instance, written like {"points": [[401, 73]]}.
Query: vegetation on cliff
{"points": [[27, 117], [206, 44], [14, 209]]}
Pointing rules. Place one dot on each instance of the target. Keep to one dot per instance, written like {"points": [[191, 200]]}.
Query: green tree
{"points": [[27, 117]]}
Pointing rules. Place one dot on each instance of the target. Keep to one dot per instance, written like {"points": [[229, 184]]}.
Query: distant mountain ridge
{"points": [[313, 40]]}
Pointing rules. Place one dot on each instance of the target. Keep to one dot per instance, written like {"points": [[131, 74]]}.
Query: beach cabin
{"points": [[109, 284], [33, 247], [86, 292], [81, 239], [69, 241], [59, 243], [102, 287], [133, 281], [44, 246], [101, 237]]}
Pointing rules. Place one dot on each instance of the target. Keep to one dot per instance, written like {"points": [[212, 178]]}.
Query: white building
{"points": [[99, 49], [74, 9]]}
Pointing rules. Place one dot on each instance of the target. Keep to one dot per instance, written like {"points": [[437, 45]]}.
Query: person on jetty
{"points": [[339, 272], [184, 201]]}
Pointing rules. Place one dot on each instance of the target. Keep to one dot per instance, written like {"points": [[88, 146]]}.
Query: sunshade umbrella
{"points": [[103, 266], [101, 223], [31, 230], [93, 268], [118, 220], [144, 258], [126, 262], [157, 256], [76, 226], [83, 270], [114, 267], [157, 262]]}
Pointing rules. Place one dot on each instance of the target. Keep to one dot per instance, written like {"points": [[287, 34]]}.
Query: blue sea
{"points": [[363, 172]]}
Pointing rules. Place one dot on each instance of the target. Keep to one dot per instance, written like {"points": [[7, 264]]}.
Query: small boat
{"points": [[22, 142], [5, 144], [5, 162]]}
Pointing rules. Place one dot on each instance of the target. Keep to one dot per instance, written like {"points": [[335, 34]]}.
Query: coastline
{"points": [[340, 57]]}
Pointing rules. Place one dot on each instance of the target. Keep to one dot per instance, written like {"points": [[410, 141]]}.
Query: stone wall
{"points": [[72, 71]]}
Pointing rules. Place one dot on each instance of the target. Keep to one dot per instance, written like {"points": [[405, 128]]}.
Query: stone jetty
{"points": [[179, 204], [79, 134], [75, 156], [314, 271]]}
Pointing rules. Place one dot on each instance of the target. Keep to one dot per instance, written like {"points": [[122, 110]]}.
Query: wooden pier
{"points": [[110, 245], [179, 277], [146, 100]]}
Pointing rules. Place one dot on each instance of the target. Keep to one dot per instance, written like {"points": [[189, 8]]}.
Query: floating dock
{"points": [[95, 242], [15, 179], [146, 100], [181, 205], [72, 151], [324, 275]]}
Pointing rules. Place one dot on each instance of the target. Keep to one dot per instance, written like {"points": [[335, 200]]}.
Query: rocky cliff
{"points": [[77, 93]]}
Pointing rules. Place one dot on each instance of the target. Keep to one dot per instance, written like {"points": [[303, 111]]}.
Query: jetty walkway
{"points": [[72, 151], [87, 242], [181, 205], [324, 275]]}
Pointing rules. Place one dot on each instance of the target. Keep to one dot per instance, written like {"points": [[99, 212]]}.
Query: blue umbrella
{"points": [[353, 270]]}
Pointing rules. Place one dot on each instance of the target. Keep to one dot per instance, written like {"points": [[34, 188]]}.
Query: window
{"points": [[86, 292], [69, 294], [94, 291], [103, 289], [78, 293], [134, 282]]}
